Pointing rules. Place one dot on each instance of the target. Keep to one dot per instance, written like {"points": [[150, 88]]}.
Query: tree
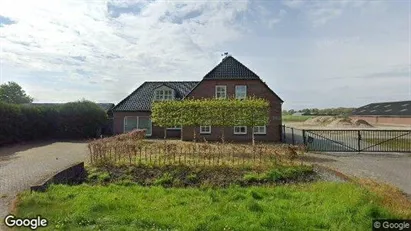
{"points": [[213, 112], [11, 92]]}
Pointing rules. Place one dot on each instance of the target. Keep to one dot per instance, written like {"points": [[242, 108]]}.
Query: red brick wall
{"points": [[158, 132], [385, 120], [206, 89]]}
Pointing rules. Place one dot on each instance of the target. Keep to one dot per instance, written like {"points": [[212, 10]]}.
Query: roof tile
{"points": [[230, 68], [385, 109], [142, 97]]}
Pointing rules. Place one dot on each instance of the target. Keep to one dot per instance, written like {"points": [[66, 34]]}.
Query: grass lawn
{"points": [[291, 118], [331, 206]]}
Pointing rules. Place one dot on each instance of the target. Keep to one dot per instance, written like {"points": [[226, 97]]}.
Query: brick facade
{"points": [[157, 132], [206, 89]]}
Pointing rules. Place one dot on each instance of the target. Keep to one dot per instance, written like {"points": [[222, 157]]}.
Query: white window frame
{"points": [[124, 122], [205, 132], [138, 121], [263, 132], [160, 94], [225, 91], [245, 93], [240, 133]]}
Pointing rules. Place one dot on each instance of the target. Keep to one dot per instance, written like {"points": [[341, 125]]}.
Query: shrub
{"points": [[30, 122], [81, 119]]}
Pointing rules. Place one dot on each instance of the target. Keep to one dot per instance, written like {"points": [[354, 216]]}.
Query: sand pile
{"points": [[361, 123], [335, 122], [319, 120], [341, 123]]}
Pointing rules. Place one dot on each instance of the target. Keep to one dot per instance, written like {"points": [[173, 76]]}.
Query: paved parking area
{"points": [[24, 165], [391, 168]]}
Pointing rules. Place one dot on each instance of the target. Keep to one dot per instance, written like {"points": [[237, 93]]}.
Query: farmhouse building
{"points": [[386, 113], [229, 78]]}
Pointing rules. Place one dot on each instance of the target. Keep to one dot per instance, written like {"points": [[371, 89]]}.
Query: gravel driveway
{"points": [[392, 168], [24, 165]]}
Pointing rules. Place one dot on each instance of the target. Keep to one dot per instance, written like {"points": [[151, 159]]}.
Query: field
{"points": [[291, 118], [332, 206]]}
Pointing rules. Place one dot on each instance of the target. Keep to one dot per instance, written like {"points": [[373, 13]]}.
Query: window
{"points": [[240, 92], [138, 122], [177, 127], [259, 130], [130, 123], [144, 122], [402, 110], [389, 105], [205, 129], [221, 91], [240, 130], [163, 95], [404, 105]]}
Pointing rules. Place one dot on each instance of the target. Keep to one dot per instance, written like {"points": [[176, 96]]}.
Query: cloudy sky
{"points": [[312, 53]]}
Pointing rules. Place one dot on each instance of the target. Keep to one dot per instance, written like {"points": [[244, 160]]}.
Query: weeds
{"points": [[135, 150]]}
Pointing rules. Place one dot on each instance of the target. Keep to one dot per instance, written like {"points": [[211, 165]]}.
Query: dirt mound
{"points": [[340, 123], [361, 123], [335, 122], [319, 120]]}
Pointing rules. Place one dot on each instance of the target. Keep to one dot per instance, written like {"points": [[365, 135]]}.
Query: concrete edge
{"points": [[73, 173]]}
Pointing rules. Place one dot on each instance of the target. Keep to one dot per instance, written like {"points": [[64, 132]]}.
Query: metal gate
{"points": [[350, 140]]}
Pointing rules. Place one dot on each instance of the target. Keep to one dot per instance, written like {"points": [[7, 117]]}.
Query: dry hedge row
{"points": [[131, 148]]}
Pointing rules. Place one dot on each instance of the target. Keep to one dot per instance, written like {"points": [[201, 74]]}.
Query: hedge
{"points": [[75, 120]]}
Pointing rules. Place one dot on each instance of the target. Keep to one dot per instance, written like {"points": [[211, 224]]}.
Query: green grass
{"points": [[183, 176], [291, 118], [396, 144], [330, 206]]}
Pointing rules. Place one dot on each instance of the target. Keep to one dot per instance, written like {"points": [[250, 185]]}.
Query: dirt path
{"points": [[24, 165], [394, 169]]}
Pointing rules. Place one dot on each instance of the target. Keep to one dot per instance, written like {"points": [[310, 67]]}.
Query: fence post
{"points": [[292, 136], [284, 137], [359, 140], [304, 138]]}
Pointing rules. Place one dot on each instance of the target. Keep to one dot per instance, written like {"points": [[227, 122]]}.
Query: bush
{"points": [[71, 120], [81, 119]]}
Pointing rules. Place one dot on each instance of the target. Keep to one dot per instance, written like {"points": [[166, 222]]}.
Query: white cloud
{"points": [[325, 53], [118, 52], [321, 12]]}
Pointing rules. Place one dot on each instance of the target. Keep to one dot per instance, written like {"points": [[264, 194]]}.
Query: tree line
{"points": [[340, 111]]}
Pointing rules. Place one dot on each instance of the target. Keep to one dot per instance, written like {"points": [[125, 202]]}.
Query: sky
{"points": [[313, 54]]}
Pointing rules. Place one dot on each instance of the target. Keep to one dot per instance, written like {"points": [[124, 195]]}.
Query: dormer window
{"points": [[163, 94]]}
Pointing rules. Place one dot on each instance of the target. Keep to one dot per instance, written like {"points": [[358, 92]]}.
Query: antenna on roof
{"points": [[225, 54]]}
